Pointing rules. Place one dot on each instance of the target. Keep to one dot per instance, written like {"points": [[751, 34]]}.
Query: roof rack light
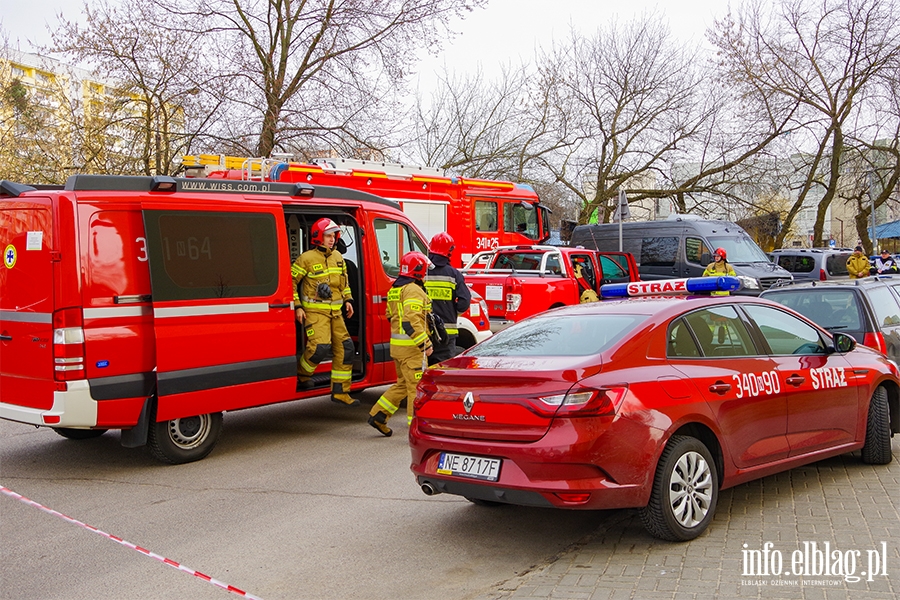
{"points": [[303, 189], [163, 183]]}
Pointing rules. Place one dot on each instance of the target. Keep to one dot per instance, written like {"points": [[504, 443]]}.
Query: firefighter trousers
{"points": [[409, 372], [326, 334]]}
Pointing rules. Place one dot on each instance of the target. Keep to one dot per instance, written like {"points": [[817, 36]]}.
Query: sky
{"points": [[506, 32]]}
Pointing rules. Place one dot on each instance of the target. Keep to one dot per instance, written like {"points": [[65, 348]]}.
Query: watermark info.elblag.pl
{"points": [[813, 563]]}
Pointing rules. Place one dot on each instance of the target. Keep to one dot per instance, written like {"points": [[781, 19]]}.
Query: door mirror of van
{"points": [[705, 258], [843, 343], [526, 205]]}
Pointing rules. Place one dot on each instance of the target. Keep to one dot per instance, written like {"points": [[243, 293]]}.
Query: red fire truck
{"points": [[480, 214], [153, 305]]}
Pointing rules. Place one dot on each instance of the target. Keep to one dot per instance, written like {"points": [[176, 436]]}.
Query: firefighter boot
{"points": [[379, 422], [304, 383], [344, 399]]}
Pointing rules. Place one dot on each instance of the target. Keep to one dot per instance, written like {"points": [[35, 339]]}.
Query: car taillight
{"points": [[586, 402], [68, 345], [513, 295], [424, 391], [875, 340], [822, 276]]}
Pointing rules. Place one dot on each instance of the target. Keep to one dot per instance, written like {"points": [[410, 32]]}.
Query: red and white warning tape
{"points": [[128, 544]]}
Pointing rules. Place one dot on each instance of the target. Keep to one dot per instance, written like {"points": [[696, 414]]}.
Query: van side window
{"points": [[659, 251], [694, 249], [485, 216], [395, 240], [197, 254]]}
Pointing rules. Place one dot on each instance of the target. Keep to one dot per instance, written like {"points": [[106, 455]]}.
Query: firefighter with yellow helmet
{"points": [[407, 308], [321, 291]]}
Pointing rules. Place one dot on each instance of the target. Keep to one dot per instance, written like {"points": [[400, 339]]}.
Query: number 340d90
{"points": [[756, 384]]}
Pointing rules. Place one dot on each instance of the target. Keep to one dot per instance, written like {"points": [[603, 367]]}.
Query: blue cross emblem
{"points": [[10, 256]]}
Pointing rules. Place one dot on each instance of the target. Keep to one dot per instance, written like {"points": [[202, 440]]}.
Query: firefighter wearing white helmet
{"points": [[407, 308], [321, 291]]}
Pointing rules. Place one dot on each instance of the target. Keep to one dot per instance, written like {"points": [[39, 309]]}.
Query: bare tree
{"points": [[305, 73], [823, 55], [156, 101], [623, 106]]}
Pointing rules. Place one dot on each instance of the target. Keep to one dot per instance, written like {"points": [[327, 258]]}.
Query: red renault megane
{"points": [[655, 403]]}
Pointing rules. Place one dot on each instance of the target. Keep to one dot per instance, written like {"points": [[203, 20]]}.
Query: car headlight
{"points": [[749, 283]]}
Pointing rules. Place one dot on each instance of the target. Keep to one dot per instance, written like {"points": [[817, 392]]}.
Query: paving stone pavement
{"points": [[849, 505]]}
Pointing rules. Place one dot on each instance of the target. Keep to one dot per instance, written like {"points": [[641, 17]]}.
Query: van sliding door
{"points": [[221, 289]]}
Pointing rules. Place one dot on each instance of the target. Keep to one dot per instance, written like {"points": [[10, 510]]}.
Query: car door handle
{"points": [[6, 338], [795, 380], [719, 387], [280, 305]]}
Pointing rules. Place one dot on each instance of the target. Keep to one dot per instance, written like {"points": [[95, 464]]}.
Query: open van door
{"points": [[225, 338], [26, 310]]}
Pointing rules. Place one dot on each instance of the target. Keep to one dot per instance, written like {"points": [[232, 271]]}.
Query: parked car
{"points": [[867, 309], [654, 403], [811, 264]]}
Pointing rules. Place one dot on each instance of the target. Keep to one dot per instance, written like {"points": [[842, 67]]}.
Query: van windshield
{"points": [[740, 248]]}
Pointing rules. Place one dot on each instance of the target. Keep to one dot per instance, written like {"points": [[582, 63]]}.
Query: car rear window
{"points": [[887, 312], [833, 309], [797, 264], [836, 264], [569, 335]]}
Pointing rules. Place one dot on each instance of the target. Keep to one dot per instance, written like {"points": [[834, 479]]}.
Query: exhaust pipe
{"points": [[429, 489]]}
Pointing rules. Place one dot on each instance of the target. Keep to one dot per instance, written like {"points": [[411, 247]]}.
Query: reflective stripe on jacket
{"points": [[407, 307], [316, 266]]}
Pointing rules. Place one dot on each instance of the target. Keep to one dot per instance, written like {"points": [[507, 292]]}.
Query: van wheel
{"points": [[79, 434], [186, 439], [877, 447], [685, 491]]}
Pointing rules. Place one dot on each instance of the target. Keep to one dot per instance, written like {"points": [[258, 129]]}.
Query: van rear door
{"points": [[221, 286], [26, 305]]}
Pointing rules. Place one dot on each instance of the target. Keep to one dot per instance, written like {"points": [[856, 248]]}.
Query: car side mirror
{"points": [[705, 258], [843, 343]]}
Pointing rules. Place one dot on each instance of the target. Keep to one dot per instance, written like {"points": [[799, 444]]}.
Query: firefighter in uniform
{"points": [[321, 290], [407, 308], [448, 292], [719, 267]]}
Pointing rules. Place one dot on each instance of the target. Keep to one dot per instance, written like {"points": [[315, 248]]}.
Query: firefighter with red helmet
{"points": [[449, 294], [407, 308], [321, 291], [719, 267]]}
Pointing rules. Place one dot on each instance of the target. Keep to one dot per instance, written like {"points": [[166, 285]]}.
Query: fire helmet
{"points": [[320, 228], [414, 264], [721, 252], [443, 244]]}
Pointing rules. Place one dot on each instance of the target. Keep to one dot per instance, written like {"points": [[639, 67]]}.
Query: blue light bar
{"points": [[690, 285]]}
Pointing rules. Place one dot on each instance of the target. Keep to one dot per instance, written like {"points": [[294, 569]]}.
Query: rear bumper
{"points": [[613, 465], [72, 408]]}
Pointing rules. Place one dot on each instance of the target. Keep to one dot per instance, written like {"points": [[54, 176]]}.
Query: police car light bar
{"points": [[690, 285]]}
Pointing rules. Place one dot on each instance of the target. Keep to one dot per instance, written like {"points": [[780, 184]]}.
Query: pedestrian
{"points": [[857, 264], [885, 264], [321, 292], [407, 308], [448, 292], [719, 267]]}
